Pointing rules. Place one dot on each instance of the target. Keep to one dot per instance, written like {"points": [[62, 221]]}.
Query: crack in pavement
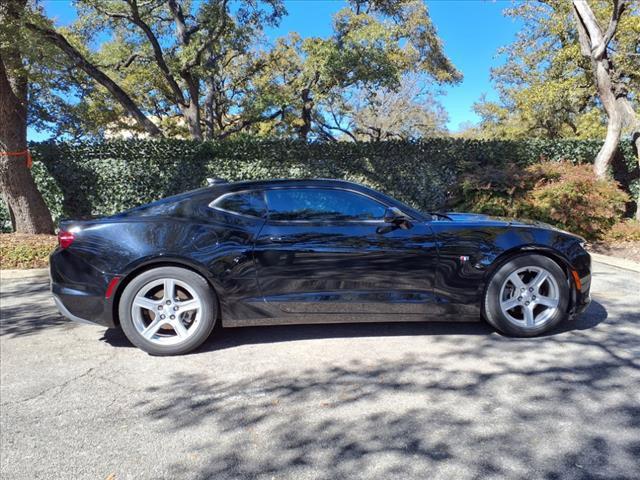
{"points": [[60, 387]]}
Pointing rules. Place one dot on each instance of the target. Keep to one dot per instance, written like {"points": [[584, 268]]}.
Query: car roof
{"points": [[290, 181], [222, 188]]}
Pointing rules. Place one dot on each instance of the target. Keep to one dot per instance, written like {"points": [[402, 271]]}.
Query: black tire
{"points": [[208, 318], [491, 306]]}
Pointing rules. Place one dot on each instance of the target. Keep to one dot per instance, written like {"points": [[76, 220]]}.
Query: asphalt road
{"points": [[385, 401]]}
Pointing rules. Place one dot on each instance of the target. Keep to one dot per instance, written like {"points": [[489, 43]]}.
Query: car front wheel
{"points": [[527, 296], [168, 311]]}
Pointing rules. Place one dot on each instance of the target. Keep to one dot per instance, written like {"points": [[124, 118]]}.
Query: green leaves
{"points": [[102, 178], [546, 85]]}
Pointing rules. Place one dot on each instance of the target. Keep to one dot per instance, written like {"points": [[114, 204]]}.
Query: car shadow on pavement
{"points": [[223, 338]]}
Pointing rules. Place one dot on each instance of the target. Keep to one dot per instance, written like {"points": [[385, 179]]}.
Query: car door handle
{"points": [[276, 239]]}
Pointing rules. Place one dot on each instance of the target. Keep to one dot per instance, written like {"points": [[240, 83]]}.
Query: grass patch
{"points": [[22, 251]]}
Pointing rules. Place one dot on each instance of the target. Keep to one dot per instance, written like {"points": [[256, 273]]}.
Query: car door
{"points": [[328, 250]]}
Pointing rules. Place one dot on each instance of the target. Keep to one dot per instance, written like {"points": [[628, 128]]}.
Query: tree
{"points": [[28, 211], [373, 46], [612, 89], [43, 28], [161, 55], [204, 70], [406, 113], [545, 85]]}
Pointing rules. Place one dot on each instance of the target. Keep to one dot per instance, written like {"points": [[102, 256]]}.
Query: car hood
{"points": [[482, 219]]}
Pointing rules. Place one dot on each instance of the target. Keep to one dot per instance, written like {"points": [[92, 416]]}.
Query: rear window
{"points": [[244, 203]]}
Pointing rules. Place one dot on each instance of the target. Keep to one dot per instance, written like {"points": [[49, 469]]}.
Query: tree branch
{"points": [[126, 63], [337, 127], [178, 18], [186, 33], [588, 27], [618, 8], [248, 122], [158, 54], [98, 75]]}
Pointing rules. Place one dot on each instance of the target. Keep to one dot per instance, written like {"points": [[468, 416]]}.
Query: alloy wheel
{"points": [[529, 297], [166, 311]]}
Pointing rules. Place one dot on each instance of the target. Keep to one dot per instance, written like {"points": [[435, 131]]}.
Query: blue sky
{"points": [[472, 32]]}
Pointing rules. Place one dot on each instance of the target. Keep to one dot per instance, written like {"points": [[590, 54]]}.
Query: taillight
{"points": [[65, 239]]}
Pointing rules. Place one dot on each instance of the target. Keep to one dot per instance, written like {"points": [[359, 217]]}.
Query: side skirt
{"points": [[346, 318]]}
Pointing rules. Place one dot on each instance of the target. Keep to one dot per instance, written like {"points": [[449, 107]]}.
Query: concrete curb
{"points": [[28, 273], [616, 262]]}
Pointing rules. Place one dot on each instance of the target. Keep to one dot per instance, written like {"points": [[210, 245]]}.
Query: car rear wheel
{"points": [[168, 311], [527, 296]]}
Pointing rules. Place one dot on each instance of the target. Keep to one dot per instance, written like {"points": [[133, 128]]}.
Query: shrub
{"points": [[25, 251], [625, 231], [561, 193], [495, 191], [570, 197]]}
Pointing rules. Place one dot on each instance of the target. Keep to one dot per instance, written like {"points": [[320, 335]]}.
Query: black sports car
{"points": [[309, 251]]}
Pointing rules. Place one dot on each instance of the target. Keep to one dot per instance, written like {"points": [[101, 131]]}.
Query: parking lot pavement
{"points": [[328, 402]]}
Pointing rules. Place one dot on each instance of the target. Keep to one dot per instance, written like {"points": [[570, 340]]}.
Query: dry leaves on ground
{"points": [[23, 251]]}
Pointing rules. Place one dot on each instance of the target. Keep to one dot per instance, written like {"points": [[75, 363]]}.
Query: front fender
{"points": [[469, 253]]}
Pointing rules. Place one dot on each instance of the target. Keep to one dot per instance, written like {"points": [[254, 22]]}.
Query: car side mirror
{"points": [[394, 215]]}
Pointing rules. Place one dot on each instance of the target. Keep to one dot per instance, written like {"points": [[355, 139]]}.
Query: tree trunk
{"points": [[610, 146], [307, 107], [610, 103], [612, 94], [635, 138], [191, 114], [208, 110], [26, 205], [593, 46]]}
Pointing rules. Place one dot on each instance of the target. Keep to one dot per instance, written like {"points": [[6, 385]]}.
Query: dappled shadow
{"points": [[591, 317], [26, 307], [487, 407], [223, 338]]}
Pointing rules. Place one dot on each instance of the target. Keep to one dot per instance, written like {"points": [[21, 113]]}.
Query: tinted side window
{"points": [[245, 203], [321, 204]]}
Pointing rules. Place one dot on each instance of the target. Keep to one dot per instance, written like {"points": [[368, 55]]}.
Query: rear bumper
{"points": [[66, 313], [79, 290]]}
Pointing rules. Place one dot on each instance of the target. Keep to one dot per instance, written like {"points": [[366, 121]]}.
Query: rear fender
{"points": [[148, 263]]}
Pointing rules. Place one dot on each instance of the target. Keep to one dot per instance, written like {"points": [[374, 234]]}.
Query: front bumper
{"points": [[582, 291], [581, 305]]}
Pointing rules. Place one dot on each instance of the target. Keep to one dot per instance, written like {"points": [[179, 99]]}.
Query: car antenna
{"points": [[211, 181]]}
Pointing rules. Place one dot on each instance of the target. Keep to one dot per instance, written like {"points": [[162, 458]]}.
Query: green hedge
{"points": [[106, 177]]}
